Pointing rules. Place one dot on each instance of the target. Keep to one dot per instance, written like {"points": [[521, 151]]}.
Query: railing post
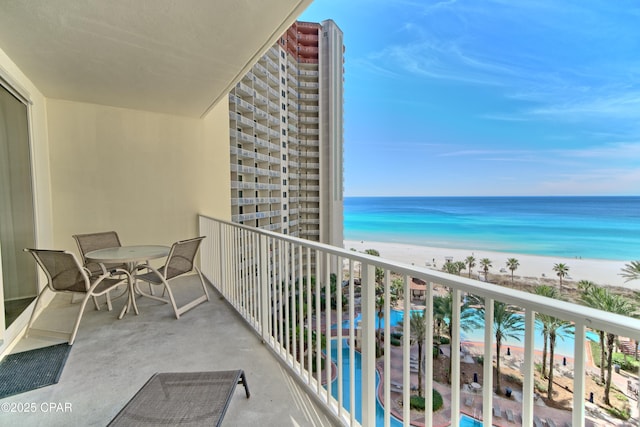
{"points": [[263, 287], [528, 374], [455, 358], [579, 363], [222, 268], [487, 367], [428, 348], [368, 345]]}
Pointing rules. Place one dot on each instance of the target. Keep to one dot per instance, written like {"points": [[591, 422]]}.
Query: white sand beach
{"points": [[601, 272]]}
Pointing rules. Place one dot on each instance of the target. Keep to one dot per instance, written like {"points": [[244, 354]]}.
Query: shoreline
{"points": [[601, 272]]}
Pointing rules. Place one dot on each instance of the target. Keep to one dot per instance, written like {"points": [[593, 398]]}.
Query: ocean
{"points": [[579, 226]]}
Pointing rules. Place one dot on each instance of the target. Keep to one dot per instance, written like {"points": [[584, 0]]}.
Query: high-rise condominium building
{"points": [[287, 136]]}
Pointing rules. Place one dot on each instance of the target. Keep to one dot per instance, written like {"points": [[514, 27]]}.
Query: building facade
{"points": [[286, 132]]}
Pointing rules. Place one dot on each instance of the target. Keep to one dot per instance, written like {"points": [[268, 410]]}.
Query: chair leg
{"points": [[108, 297], [33, 313], [95, 302], [77, 324], [173, 301], [204, 286]]}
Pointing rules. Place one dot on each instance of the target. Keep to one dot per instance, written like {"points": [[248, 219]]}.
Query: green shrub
{"points": [[480, 360], [622, 414], [396, 335], [626, 363], [437, 401], [444, 340], [395, 342], [417, 402], [540, 386]]}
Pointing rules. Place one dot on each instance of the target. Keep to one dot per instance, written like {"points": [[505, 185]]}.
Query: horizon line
{"points": [[487, 196]]}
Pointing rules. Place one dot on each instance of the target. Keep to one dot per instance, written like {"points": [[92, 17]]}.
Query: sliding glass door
{"points": [[17, 225]]}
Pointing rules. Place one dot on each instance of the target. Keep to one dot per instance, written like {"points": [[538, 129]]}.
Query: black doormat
{"points": [[29, 370]]}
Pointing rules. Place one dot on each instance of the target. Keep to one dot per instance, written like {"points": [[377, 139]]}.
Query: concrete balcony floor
{"points": [[111, 359]]}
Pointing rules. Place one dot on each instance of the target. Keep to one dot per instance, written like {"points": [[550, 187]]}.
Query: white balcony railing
{"points": [[278, 283]]}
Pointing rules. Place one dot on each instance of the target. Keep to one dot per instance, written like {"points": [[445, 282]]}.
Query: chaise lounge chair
{"points": [[510, 417], [176, 398], [497, 412]]}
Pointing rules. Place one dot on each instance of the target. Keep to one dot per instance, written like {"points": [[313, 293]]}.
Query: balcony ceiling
{"points": [[169, 56]]}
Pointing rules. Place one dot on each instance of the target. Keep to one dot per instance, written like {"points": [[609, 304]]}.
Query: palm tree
{"points": [[591, 297], [507, 324], [561, 271], [460, 265], [443, 313], [545, 320], [470, 262], [418, 327], [379, 271], [601, 298], [397, 287], [557, 328], [512, 264], [631, 271], [380, 313], [450, 267], [485, 263]]}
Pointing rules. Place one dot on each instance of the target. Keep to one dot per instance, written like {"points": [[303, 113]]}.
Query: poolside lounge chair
{"points": [[497, 412], [180, 262], [468, 401], [177, 398], [550, 422], [537, 422], [509, 413]]}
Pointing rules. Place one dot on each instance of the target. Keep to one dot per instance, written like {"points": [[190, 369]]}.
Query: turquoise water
{"points": [[587, 227], [564, 342], [465, 421]]}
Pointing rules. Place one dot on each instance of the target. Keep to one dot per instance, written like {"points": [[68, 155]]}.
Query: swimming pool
{"points": [[465, 421], [397, 316], [564, 345]]}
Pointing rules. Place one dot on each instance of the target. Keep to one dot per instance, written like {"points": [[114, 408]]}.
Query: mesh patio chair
{"points": [[94, 241], [102, 240], [65, 274], [180, 262]]}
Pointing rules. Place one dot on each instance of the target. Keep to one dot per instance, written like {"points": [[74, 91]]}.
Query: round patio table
{"points": [[132, 256]]}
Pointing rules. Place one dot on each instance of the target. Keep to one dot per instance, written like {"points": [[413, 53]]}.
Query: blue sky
{"points": [[527, 97]]}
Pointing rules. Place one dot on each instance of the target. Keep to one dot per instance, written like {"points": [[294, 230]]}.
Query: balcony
{"points": [[111, 359]]}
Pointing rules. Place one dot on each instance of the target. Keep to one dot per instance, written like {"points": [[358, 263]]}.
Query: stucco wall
{"points": [[145, 175]]}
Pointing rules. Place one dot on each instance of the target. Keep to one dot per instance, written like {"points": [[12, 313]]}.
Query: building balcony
{"points": [[111, 359], [260, 69], [244, 201], [244, 185], [242, 105]]}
